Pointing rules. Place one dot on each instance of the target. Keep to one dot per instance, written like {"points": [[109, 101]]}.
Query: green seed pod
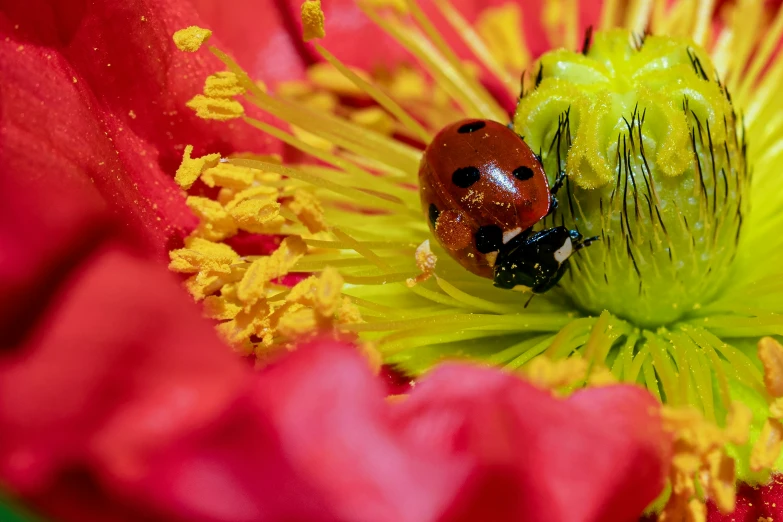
{"points": [[655, 158]]}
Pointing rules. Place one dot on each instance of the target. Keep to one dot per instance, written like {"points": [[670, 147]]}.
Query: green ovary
{"points": [[656, 169]]}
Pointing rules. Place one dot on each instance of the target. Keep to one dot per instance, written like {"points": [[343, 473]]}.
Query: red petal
{"points": [[94, 97], [120, 363], [754, 504], [599, 456], [263, 36]]}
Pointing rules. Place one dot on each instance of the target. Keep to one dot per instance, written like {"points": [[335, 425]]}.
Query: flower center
{"points": [[655, 158]]}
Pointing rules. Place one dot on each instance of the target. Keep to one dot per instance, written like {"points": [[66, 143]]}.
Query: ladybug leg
{"points": [[553, 204], [558, 182], [581, 243]]}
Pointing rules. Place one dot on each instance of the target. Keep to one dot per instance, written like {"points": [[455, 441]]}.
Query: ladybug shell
{"points": [[481, 185]]}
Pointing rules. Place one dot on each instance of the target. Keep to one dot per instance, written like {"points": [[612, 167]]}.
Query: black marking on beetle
{"points": [[540, 75], [587, 40], [489, 238], [434, 213], [523, 173], [472, 126], [464, 177]]}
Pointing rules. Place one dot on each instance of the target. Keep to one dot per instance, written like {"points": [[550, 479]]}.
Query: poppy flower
{"points": [[67, 256]]}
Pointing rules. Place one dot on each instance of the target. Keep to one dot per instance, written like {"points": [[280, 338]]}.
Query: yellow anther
{"points": [[191, 168], [257, 215], [321, 293], [776, 408], [297, 322], [191, 38], [229, 175], [216, 223], [253, 285], [220, 109], [200, 255], [720, 484], [203, 284], [221, 308], [223, 84], [546, 373], [253, 321], [601, 376], [738, 423], [771, 354], [312, 20], [374, 118], [328, 292], [767, 448], [307, 208], [408, 84], [261, 192], [697, 511], [325, 76], [348, 313], [425, 261], [499, 28]]}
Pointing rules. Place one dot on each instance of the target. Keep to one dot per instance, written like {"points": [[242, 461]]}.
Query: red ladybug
{"points": [[483, 189]]}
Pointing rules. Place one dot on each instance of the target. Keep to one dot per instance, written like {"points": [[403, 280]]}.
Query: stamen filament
{"points": [[477, 45], [382, 98]]}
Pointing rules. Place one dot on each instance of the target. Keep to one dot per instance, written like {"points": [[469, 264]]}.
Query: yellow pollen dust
{"points": [[191, 39], [425, 261], [312, 20], [700, 464], [768, 447]]}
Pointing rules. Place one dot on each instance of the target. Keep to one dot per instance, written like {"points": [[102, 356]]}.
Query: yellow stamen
{"points": [[216, 223], [191, 38], [312, 20], [229, 175], [200, 255], [499, 28], [767, 448], [223, 84], [191, 168], [546, 373], [253, 285], [308, 209], [771, 355], [220, 109]]}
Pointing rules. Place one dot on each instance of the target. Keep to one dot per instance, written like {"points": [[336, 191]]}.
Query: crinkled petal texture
{"points": [[93, 101], [146, 408]]}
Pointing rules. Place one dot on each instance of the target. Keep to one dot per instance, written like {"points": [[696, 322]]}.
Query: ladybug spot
{"points": [[433, 213], [466, 176], [471, 127], [489, 238], [523, 173]]}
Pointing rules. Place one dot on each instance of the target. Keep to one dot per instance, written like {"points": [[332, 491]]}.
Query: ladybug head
{"points": [[538, 261]]}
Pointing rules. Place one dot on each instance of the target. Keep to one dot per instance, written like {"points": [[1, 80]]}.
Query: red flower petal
{"points": [[600, 455], [754, 504], [93, 97]]}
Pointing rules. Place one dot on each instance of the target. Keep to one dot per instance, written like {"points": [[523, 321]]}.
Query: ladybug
{"points": [[483, 190]]}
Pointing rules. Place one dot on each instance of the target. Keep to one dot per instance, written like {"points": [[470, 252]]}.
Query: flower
{"points": [[72, 278], [669, 150], [117, 400]]}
